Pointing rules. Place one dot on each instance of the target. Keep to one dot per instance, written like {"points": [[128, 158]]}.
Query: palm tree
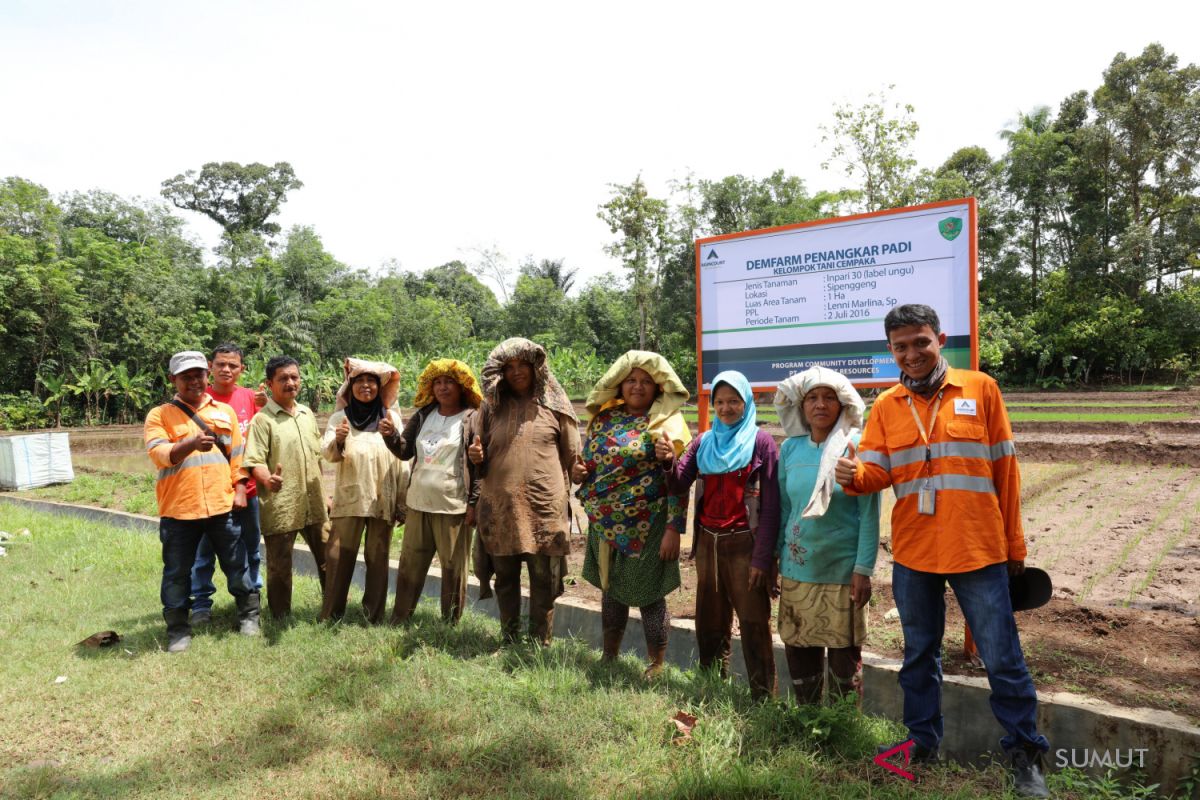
{"points": [[553, 270], [276, 321]]}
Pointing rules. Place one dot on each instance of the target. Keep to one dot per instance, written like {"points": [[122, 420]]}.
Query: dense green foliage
{"points": [[1089, 232]]}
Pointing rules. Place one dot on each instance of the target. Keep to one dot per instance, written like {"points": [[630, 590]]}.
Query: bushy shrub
{"points": [[22, 411]]}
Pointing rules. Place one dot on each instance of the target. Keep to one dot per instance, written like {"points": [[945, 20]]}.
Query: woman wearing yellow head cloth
{"points": [[442, 490], [634, 523]]}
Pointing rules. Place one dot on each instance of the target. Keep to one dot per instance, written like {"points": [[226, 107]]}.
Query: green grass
{"points": [[1088, 404], [121, 491], [317, 710], [1062, 416]]}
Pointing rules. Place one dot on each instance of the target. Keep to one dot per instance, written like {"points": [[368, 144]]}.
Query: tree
{"points": [[873, 144], [1150, 108], [641, 222], [1035, 160], [535, 308], [737, 203], [27, 211], [239, 198], [453, 282], [491, 264], [305, 268], [552, 270]]}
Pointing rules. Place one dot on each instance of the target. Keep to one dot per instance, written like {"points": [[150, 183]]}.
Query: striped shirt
{"points": [[970, 462], [202, 484]]}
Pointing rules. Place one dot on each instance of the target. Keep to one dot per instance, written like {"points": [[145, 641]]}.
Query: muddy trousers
{"points": [[427, 534], [341, 558], [807, 666], [277, 548], [722, 588], [545, 585]]}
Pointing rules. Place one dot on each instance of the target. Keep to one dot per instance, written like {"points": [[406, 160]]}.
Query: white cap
{"points": [[188, 359]]}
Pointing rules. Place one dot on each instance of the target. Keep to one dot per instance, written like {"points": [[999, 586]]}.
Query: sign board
{"points": [[774, 302]]}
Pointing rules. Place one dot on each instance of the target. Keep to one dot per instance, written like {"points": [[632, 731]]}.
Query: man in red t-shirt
{"points": [[226, 367]]}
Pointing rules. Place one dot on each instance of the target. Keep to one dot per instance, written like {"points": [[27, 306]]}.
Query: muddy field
{"points": [[1111, 511]]}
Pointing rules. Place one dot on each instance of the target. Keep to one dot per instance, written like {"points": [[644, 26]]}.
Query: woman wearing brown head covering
{"points": [[441, 491], [526, 439], [368, 492]]}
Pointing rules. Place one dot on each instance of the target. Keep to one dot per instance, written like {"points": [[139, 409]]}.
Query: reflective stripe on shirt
{"points": [[194, 459], [915, 455], [965, 483]]}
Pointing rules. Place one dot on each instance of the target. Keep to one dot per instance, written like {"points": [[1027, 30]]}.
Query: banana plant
{"points": [[57, 391], [95, 385], [134, 392]]}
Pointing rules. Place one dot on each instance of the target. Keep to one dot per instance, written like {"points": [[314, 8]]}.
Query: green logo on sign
{"points": [[950, 228]]}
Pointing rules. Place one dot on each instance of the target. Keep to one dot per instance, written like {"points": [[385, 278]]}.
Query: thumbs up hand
{"points": [[387, 429], [847, 466], [475, 451], [260, 396], [664, 450], [342, 431], [579, 470], [275, 482]]}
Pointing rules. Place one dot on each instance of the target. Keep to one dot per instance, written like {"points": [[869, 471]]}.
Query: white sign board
{"points": [[774, 302]]}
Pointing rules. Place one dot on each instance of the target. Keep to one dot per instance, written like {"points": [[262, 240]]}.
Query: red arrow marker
{"points": [[903, 747]]}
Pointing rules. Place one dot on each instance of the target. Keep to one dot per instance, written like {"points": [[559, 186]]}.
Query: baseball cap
{"points": [[188, 359]]}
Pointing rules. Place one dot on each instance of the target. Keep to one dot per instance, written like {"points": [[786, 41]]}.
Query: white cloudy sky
{"points": [[424, 130]]}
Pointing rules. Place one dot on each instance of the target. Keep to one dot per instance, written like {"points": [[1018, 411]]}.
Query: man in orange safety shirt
{"points": [[942, 440]]}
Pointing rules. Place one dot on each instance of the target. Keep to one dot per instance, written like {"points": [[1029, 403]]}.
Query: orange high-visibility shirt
{"points": [[201, 485], [972, 465]]}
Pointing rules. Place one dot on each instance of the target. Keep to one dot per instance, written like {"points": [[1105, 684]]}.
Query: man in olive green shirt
{"points": [[283, 449]]}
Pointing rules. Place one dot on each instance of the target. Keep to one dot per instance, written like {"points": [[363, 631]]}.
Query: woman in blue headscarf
{"points": [[737, 523]]}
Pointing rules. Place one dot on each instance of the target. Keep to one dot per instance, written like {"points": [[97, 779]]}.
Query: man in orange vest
{"points": [[196, 444], [942, 440]]}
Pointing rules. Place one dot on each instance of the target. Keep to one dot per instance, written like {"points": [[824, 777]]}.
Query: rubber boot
{"points": [[179, 632], [657, 654], [612, 643], [248, 609]]}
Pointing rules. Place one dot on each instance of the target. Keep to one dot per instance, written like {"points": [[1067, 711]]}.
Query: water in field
{"points": [[113, 462]]}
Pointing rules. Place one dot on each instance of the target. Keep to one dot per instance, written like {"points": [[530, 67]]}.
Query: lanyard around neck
{"points": [[921, 425]]}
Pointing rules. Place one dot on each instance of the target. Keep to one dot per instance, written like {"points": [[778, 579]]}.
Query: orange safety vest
{"points": [[201, 485], [969, 460]]}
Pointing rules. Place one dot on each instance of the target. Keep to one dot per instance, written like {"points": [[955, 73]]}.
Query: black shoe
{"points": [[201, 618], [917, 754], [1028, 780]]}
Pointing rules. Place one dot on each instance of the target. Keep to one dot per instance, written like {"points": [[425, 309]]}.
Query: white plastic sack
{"points": [[33, 460]]}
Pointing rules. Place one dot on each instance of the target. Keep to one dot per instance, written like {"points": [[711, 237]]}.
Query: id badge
{"points": [[926, 499]]}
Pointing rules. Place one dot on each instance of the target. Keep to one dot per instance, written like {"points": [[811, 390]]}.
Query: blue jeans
{"points": [[206, 562], [985, 602], [180, 538]]}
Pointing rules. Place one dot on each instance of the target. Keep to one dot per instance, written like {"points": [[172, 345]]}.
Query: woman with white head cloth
{"points": [[369, 490], [828, 540]]}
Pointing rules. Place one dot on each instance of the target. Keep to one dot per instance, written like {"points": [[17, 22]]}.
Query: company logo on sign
{"points": [[711, 260], [950, 228]]}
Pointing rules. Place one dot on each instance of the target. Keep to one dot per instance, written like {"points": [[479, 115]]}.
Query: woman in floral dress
{"points": [[633, 522]]}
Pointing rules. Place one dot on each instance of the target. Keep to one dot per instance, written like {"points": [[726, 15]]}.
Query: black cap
{"points": [[1031, 589]]}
